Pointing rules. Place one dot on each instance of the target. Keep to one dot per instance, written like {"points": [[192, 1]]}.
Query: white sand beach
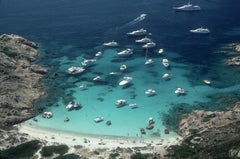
{"points": [[92, 142]]}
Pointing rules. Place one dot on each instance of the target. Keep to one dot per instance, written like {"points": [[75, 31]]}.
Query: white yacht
{"points": [[165, 76], [98, 119], [150, 92], [207, 82], [97, 78], [149, 45], [47, 115], [180, 91], [143, 40], [160, 51], [88, 62], [71, 105], [133, 105], [112, 44], [126, 52], [165, 62], [75, 70], [138, 32], [125, 81], [123, 67], [99, 53], [120, 102], [200, 31], [149, 61], [187, 7]]}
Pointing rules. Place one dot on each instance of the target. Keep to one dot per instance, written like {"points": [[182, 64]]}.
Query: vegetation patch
{"points": [[48, 151], [139, 155], [68, 156], [183, 151], [25, 150]]}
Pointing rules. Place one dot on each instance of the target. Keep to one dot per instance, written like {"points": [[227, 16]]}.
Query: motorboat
{"points": [[120, 102], [71, 105], [138, 32], [188, 7], [149, 61], [149, 127], [126, 52], [47, 115], [143, 40], [123, 67], [88, 62], [125, 81], [98, 119], [200, 31], [207, 82], [99, 53], [165, 62], [113, 73], [133, 105], [150, 92], [180, 91], [165, 76], [160, 51], [97, 78], [142, 130], [109, 122], [75, 70], [111, 44], [83, 86], [150, 121], [149, 45]]}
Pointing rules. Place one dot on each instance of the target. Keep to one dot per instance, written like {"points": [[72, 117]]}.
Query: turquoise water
{"points": [[67, 32]]}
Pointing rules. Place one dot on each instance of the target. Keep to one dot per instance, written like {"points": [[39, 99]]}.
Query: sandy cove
{"points": [[92, 143]]}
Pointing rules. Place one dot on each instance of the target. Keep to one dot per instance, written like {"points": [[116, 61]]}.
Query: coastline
{"points": [[96, 142]]}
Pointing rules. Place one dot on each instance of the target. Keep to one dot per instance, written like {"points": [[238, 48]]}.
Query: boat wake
{"points": [[135, 21]]}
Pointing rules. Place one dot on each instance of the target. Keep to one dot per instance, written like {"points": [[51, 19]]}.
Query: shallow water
{"points": [[68, 32]]}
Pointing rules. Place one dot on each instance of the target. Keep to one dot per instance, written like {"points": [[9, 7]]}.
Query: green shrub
{"points": [[183, 151], [48, 151], [139, 155], [25, 150], [113, 155]]}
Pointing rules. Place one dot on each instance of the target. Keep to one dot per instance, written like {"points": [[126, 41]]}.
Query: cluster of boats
{"points": [[84, 64], [47, 115], [73, 106]]}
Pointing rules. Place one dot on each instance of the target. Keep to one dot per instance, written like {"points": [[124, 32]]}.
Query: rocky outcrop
{"points": [[19, 79], [210, 134], [235, 61]]}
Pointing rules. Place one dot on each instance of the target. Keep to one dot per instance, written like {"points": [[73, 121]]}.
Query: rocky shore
{"points": [[233, 50], [209, 134], [19, 79]]}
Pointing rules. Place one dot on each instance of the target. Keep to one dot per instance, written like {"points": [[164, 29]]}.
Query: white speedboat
{"points": [[123, 67], [180, 91], [133, 105], [99, 53], [112, 44], [47, 115], [113, 73], [149, 61], [150, 92], [165, 62], [83, 86], [120, 102], [160, 51], [188, 7], [138, 32], [143, 40], [200, 31], [97, 78], [126, 52], [165, 76], [71, 105], [149, 45], [207, 82], [75, 70], [98, 119], [88, 62], [125, 81]]}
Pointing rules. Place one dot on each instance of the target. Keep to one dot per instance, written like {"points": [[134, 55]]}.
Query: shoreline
{"points": [[93, 142]]}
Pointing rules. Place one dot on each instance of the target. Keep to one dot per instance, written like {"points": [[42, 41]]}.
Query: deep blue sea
{"points": [[69, 30]]}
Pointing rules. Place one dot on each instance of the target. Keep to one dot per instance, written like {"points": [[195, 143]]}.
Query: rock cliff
{"points": [[209, 134], [19, 79]]}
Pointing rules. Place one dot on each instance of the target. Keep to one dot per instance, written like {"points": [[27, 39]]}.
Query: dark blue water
{"points": [[69, 28]]}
